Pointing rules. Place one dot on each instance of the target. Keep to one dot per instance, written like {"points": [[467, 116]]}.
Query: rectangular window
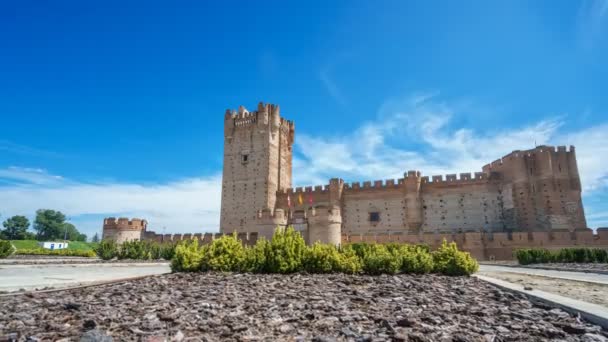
{"points": [[374, 216], [245, 158]]}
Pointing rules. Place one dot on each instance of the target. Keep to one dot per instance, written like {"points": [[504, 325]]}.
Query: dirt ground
{"points": [[587, 292]]}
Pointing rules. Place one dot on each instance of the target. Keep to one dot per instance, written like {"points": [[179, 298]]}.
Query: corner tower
{"points": [[257, 163]]}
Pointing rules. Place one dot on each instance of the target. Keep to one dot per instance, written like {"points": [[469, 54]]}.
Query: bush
{"points": [[564, 255], [167, 251], [136, 250], [377, 259], [107, 250], [255, 257], [225, 254], [6, 248], [188, 257], [286, 251], [349, 262], [416, 259], [321, 258], [58, 252], [448, 260]]}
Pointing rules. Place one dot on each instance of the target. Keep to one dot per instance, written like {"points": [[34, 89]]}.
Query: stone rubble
{"points": [[300, 307]]}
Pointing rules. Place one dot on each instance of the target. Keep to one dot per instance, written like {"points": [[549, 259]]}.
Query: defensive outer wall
{"points": [[483, 246], [529, 198]]}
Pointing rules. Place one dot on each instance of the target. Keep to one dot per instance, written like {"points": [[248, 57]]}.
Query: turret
{"points": [[267, 221], [325, 225], [413, 201]]}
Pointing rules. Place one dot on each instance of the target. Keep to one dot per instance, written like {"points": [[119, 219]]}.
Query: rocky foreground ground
{"points": [[247, 307]]}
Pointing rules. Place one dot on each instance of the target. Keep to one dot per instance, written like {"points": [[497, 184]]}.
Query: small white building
{"points": [[53, 245]]}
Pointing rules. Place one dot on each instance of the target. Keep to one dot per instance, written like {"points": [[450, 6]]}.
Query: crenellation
{"points": [[367, 184]]}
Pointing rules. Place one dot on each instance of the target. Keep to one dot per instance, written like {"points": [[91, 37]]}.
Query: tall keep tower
{"points": [[257, 163]]}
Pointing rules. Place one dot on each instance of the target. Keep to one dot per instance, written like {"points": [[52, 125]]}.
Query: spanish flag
{"points": [[288, 201], [300, 200]]}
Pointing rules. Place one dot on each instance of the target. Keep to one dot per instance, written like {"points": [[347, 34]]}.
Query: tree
{"points": [[95, 238], [49, 224], [16, 228]]}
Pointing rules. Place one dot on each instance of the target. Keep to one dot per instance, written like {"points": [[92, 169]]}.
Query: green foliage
{"points": [[57, 252], [225, 254], [321, 258], [255, 257], [564, 255], [286, 251], [448, 260], [6, 248], [107, 249], [379, 259], [167, 251], [349, 262], [15, 228], [416, 259], [95, 238], [49, 224], [188, 257]]}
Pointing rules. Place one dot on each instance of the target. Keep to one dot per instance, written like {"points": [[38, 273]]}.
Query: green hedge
{"points": [[287, 252], [6, 248], [135, 250], [565, 255], [58, 252]]}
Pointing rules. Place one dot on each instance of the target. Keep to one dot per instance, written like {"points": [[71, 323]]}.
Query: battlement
{"points": [[270, 215], [465, 177], [377, 184], [528, 153], [124, 223], [305, 190], [243, 117]]}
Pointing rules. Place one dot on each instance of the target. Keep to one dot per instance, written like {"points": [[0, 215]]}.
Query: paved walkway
{"points": [[578, 276], [29, 277], [592, 312]]}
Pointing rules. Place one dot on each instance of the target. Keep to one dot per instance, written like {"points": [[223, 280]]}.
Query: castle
{"points": [[527, 198], [525, 191]]}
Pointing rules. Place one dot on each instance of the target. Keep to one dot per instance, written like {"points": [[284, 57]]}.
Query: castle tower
{"points": [[257, 163], [413, 201], [542, 189], [324, 225], [123, 229]]}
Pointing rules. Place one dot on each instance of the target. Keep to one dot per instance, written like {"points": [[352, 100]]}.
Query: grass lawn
{"points": [[33, 244]]}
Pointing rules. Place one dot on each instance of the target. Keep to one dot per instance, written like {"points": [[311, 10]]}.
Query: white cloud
{"points": [[379, 149], [28, 175], [413, 134], [189, 205]]}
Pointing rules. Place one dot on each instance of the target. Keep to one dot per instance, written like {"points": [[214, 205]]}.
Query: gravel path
{"points": [[247, 307]]}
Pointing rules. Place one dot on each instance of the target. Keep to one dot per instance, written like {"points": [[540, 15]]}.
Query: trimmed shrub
{"points": [[58, 252], [321, 258], [448, 260], [167, 251], [377, 259], [416, 259], [286, 251], [107, 249], [255, 257], [188, 257], [349, 262], [564, 255], [225, 254], [6, 248]]}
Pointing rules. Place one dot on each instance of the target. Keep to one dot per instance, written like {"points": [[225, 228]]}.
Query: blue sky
{"points": [[116, 108]]}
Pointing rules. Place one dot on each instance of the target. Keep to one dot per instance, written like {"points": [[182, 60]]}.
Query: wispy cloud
{"points": [[331, 87], [14, 174], [189, 205], [11, 147], [592, 22]]}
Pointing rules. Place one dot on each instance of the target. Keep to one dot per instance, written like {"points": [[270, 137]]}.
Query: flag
{"points": [[310, 197], [288, 201], [300, 200]]}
